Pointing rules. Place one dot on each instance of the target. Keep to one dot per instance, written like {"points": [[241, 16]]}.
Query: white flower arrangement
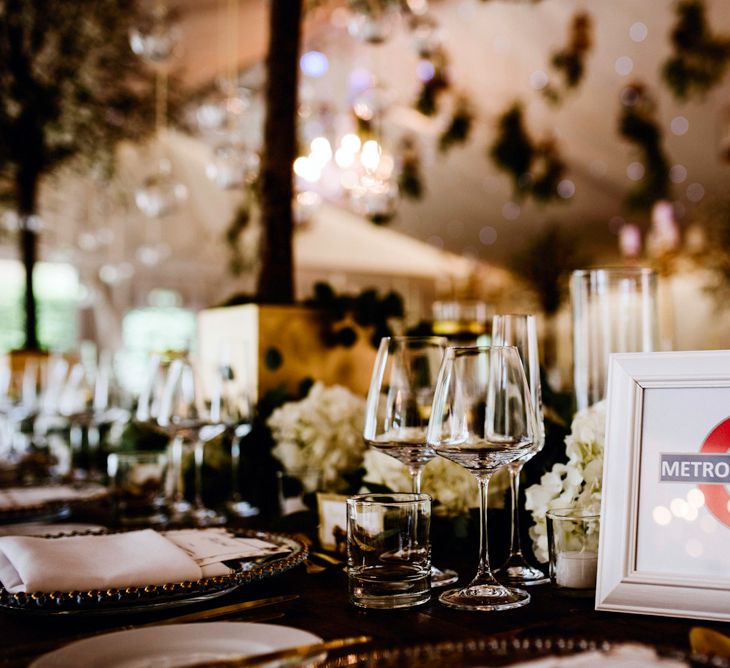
{"points": [[323, 431], [451, 485], [575, 484]]}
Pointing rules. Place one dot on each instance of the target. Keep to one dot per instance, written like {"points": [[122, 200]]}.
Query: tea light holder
{"points": [[573, 548]]}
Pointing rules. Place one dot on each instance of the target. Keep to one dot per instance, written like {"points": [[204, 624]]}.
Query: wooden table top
{"points": [[323, 608]]}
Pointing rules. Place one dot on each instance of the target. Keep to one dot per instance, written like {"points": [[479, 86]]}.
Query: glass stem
{"points": [[514, 480], [416, 475], [235, 466], [176, 452], [199, 452], [484, 572]]}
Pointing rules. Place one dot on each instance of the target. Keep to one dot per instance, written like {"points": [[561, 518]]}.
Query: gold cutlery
{"points": [[32, 649], [289, 655]]}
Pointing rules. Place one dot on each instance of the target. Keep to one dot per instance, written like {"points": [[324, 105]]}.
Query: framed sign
{"points": [[665, 511]]}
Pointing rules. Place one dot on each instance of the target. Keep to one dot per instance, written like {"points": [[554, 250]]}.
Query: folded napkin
{"points": [[80, 563], [18, 498], [131, 559]]}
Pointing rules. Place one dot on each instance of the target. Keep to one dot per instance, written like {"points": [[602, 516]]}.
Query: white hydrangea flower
{"points": [[455, 489], [575, 484], [323, 431]]}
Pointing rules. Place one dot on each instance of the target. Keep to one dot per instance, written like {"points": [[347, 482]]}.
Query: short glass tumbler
{"points": [[137, 481], [573, 548], [388, 550]]}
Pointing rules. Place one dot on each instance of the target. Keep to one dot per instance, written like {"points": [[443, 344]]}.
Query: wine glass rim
{"points": [[617, 270], [417, 339], [470, 350], [513, 315]]}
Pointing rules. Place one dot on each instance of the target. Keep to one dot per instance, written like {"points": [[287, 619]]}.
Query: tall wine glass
{"points": [[146, 416], [186, 414], [520, 330], [231, 405], [399, 404], [483, 419]]}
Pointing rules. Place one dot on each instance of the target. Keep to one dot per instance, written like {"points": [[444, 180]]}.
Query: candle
{"points": [[576, 570]]}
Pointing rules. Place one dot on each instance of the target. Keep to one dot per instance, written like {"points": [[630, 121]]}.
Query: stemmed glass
{"points": [[483, 419], [185, 413], [398, 406], [231, 406], [520, 330]]}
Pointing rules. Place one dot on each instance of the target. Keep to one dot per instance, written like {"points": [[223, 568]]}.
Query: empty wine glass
{"points": [[146, 416], [398, 406], [231, 405], [186, 413], [520, 330], [483, 419]]}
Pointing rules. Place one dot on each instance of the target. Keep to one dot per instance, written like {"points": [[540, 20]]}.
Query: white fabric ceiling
{"points": [[494, 47]]}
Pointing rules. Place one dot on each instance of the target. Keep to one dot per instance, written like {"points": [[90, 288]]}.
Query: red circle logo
{"points": [[717, 498]]}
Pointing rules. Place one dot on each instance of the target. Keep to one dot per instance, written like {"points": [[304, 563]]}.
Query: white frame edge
{"points": [[619, 587]]}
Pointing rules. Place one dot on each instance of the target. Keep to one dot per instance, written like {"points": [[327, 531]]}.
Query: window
{"points": [[56, 287]]}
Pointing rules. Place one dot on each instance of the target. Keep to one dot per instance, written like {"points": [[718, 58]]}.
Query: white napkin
{"points": [[80, 563], [17, 498]]}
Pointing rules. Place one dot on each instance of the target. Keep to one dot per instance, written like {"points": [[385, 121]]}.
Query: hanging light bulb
{"points": [[375, 198], [157, 42], [306, 205], [371, 103], [371, 28], [427, 36], [232, 166], [160, 193]]}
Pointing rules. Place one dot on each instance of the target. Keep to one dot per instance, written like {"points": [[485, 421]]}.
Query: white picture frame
{"points": [[660, 555]]}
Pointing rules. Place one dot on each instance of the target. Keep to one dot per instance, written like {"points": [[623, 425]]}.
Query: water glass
{"points": [[137, 481], [388, 550], [614, 311], [573, 548]]}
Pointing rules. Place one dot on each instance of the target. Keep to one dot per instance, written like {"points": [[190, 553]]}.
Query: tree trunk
{"points": [[276, 280], [27, 191]]}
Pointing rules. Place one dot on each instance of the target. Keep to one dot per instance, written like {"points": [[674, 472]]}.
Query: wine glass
{"points": [[520, 330], [483, 419], [231, 405], [186, 413], [146, 416], [398, 407]]}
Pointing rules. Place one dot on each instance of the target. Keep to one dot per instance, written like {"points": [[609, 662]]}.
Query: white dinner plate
{"points": [[175, 645]]}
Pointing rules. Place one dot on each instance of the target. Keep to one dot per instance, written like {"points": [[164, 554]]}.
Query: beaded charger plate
{"points": [[49, 508], [549, 652], [156, 597]]}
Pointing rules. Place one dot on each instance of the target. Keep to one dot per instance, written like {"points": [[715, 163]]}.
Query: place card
{"points": [[210, 546]]}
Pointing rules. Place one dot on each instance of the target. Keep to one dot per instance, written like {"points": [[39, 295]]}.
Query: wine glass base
{"points": [[242, 509], [442, 578], [485, 598], [521, 574]]}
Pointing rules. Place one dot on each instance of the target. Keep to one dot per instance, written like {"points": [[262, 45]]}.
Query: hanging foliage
{"points": [[536, 168], [410, 180], [367, 309], [432, 87], [570, 61], [460, 126], [700, 58], [638, 125], [240, 221], [546, 261]]}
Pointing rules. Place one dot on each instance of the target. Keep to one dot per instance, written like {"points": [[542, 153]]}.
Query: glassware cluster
{"points": [[482, 410]]}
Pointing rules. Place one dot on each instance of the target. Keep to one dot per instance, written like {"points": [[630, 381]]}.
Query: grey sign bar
{"points": [[702, 468]]}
